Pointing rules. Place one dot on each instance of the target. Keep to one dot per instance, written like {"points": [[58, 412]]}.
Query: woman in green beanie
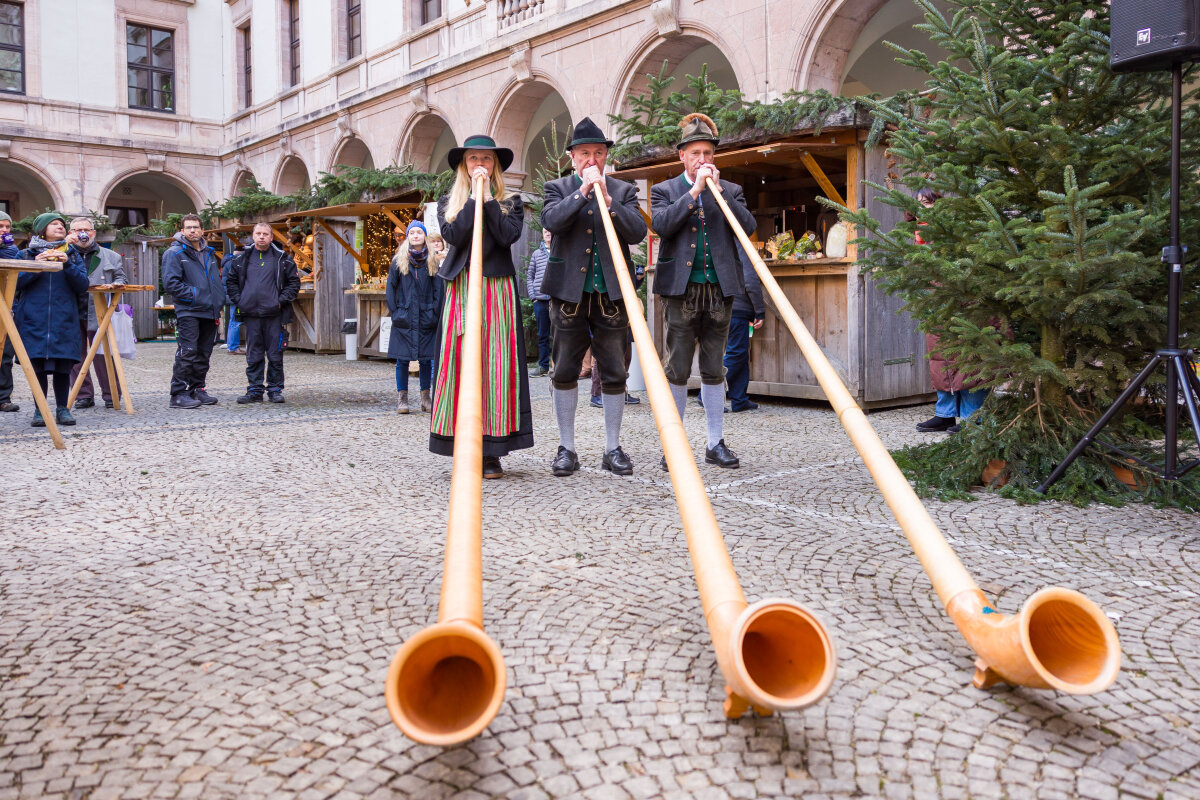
{"points": [[47, 313]]}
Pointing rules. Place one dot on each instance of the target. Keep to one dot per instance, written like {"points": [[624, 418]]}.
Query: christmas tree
{"points": [[1041, 266]]}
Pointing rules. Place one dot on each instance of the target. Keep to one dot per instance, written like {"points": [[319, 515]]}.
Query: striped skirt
{"points": [[507, 423]]}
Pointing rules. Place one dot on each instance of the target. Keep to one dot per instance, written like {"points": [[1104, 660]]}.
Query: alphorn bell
{"points": [[1059, 640], [446, 683], [774, 654]]}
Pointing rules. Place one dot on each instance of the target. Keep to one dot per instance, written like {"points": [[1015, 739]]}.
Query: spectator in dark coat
{"points": [[47, 313], [748, 313], [414, 299], [262, 283], [541, 302], [192, 275], [8, 249]]}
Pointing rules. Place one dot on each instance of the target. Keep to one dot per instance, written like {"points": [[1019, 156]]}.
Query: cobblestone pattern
{"points": [[203, 604]]}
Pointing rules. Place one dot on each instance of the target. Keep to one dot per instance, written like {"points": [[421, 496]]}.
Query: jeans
{"points": [[263, 343], [233, 332], [194, 345], [961, 404], [424, 374], [737, 359], [541, 312]]}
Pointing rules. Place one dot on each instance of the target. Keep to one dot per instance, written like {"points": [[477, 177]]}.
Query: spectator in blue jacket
{"points": [[47, 315], [541, 303], [748, 314], [192, 275], [8, 249]]}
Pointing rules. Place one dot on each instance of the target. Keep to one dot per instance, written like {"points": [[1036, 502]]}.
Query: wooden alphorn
{"points": [[446, 683], [774, 654], [1059, 640]]}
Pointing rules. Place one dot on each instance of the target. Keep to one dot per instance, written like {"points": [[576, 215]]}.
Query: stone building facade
{"points": [[144, 107]]}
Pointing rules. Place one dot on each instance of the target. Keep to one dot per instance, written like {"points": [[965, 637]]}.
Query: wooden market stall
{"points": [[874, 345], [351, 252]]}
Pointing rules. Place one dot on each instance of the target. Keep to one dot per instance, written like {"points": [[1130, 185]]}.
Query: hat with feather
{"points": [[697, 128]]}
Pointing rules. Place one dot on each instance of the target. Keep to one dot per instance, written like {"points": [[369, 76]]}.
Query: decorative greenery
{"points": [[654, 116], [1041, 270]]}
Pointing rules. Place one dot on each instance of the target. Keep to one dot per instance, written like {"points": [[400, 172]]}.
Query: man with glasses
{"points": [[192, 276], [105, 268]]}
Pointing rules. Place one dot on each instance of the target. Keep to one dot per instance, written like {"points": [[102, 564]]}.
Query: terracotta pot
{"points": [[992, 473]]}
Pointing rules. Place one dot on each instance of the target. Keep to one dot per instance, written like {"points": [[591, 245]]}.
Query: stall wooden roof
{"points": [[351, 210], [768, 158]]}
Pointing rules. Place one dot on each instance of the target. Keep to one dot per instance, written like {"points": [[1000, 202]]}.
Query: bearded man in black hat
{"points": [[586, 309], [698, 275]]}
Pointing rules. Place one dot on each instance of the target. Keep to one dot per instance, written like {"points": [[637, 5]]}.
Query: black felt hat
{"points": [[480, 142], [587, 132]]}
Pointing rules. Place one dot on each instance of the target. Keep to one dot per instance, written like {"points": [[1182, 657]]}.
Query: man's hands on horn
{"points": [[706, 171], [592, 176]]}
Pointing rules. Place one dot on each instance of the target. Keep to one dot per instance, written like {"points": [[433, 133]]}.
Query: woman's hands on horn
{"points": [[482, 172], [705, 171], [592, 176]]}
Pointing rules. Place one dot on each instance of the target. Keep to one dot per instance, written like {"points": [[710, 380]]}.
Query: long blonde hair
{"points": [[400, 259], [461, 192]]}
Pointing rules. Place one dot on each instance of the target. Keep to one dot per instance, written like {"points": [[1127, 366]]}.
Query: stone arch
{"points": [[425, 142], [845, 53], [26, 188], [351, 152], [291, 176], [521, 106], [241, 182], [684, 54], [151, 193]]}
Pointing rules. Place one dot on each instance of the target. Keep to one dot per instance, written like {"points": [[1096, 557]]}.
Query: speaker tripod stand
{"points": [[1179, 363]]}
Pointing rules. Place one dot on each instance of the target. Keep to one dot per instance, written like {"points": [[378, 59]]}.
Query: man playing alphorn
{"points": [[585, 298], [698, 274]]}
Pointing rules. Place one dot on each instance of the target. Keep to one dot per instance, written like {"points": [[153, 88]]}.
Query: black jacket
{"points": [[674, 216], [287, 282], [500, 231], [571, 217], [750, 301], [193, 278]]}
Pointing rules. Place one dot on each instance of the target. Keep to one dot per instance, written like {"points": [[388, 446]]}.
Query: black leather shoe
{"points": [[750, 405], [108, 404], [722, 456], [204, 397], [954, 429], [9, 407], [275, 397], [565, 462], [662, 462], [250, 397], [184, 400], [492, 468], [935, 424], [630, 400], [616, 462], [86, 402]]}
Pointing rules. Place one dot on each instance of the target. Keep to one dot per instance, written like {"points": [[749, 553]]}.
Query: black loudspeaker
{"points": [[1149, 35]]}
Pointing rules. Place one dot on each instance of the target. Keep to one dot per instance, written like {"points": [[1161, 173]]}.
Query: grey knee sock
{"points": [[680, 395], [714, 410], [614, 409], [565, 401]]}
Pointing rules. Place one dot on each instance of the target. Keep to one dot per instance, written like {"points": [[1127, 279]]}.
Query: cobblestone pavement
{"points": [[205, 603]]}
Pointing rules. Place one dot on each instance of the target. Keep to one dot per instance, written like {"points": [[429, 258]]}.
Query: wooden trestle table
{"points": [[105, 307], [9, 267]]}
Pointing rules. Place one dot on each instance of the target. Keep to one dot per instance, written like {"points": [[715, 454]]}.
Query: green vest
{"points": [[703, 270], [594, 280]]}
